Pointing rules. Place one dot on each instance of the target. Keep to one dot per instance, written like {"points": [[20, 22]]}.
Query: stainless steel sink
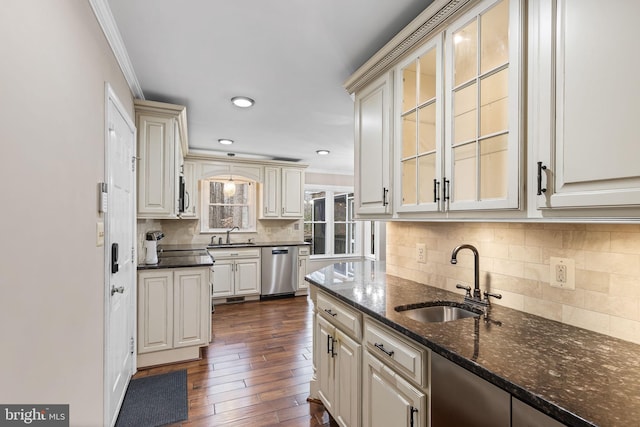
{"points": [[438, 311]]}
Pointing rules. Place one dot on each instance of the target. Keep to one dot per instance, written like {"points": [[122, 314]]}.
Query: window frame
{"points": [[205, 203]]}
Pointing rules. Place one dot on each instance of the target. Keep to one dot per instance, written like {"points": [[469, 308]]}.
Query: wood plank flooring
{"points": [[256, 370]]}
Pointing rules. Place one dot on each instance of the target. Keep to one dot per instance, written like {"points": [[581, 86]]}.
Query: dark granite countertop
{"points": [[258, 245], [576, 376], [180, 258]]}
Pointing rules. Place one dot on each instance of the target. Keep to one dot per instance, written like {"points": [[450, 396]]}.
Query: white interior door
{"points": [[119, 253]]}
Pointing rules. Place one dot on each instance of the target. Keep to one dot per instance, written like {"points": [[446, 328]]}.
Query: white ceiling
{"points": [[291, 56]]}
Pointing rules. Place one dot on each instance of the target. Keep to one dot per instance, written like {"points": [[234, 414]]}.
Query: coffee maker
{"points": [[151, 246]]}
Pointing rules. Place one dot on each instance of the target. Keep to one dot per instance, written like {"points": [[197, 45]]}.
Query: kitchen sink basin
{"points": [[438, 311], [231, 245]]}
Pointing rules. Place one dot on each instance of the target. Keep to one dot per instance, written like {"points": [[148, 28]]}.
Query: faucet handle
{"points": [[466, 288], [489, 294]]}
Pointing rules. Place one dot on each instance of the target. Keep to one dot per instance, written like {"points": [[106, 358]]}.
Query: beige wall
{"points": [[514, 261], [55, 62]]}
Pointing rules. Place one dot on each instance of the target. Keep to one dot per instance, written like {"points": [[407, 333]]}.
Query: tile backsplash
{"points": [[514, 261]]}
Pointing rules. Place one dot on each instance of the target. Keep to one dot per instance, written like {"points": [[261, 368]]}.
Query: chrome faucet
{"points": [[229, 232], [476, 298]]}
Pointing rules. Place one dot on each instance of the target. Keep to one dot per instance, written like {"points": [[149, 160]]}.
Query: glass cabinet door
{"points": [[419, 133], [483, 114]]}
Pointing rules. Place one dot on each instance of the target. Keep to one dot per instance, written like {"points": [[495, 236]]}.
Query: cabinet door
{"points": [[223, 274], [348, 368], [389, 400], [247, 276], [326, 367], [302, 271], [191, 190], [372, 148], [156, 167], [271, 193], [292, 198], [483, 111], [190, 307], [155, 311], [588, 153]]}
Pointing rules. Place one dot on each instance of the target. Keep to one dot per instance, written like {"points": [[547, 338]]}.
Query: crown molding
{"points": [[423, 26], [103, 14]]}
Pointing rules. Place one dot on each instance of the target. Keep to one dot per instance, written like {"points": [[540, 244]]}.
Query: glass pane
{"points": [[351, 204], [373, 238], [426, 175], [318, 243], [352, 237], [240, 197], [308, 232], [409, 182], [494, 108], [228, 216], [464, 114], [494, 37], [340, 238], [409, 135], [464, 173], [465, 53], [427, 81], [493, 167], [409, 87], [427, 128], [318, 207], [340, 208]]}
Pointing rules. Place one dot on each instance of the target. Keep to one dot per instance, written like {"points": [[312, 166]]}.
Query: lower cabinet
{"points": [[303, 259], [174, 316], [236, 273], [388, 399]]}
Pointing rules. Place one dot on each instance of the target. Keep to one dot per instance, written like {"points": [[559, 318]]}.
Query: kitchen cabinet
{"points": [[174, 316], [390, 400], [303, 260], [162, 138], [236, 274], [471, 160], [191, 190], [282, 195], [339, 361], [583, 132], [373, 148]]}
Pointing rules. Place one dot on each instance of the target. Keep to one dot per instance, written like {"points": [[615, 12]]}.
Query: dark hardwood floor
{"points": [[256, 370]]}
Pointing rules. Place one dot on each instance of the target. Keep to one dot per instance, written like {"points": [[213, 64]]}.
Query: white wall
{"points": [[55, 61]]}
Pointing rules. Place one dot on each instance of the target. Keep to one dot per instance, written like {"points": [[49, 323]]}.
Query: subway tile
{"points": [[537, 272], [625, 329], [592, 320], [529, 254], [509, 299], [625, 286], [574, 298], [587, 240], [596, 281], [543, 238], [626, 264], [509, 268], [547, 309], [625, 243]]}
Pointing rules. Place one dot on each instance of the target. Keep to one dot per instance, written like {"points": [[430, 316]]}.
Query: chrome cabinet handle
{"points": [[381, 348], [119, 290]]}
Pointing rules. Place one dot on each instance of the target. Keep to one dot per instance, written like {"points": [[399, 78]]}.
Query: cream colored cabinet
{"points": [[583, 132], [339, 362], [191, 190], [373, 148], [282, 193], [174, 314], [162, 138], [236, 273], [458, 140], [388, 399], [303, 260]]}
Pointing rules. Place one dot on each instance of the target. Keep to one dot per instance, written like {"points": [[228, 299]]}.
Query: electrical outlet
{"points": [[562, 273], [421, 252]]}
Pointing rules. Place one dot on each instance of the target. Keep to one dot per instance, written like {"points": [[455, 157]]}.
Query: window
{"points": [[329, 225], [221, 212]]}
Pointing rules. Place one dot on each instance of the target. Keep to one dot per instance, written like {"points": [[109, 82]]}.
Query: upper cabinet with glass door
{"points": [[483, 143]]}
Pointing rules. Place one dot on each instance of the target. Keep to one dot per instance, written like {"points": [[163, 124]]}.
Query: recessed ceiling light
{"points": [[225, 141], [322, 152], [242, 101]]}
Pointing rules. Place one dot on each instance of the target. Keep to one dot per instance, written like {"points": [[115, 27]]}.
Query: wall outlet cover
{"points": [[421, 252], [562, 273]]}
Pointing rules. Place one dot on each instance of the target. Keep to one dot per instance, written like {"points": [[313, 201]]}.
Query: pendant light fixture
{"points": [[229, 188]]}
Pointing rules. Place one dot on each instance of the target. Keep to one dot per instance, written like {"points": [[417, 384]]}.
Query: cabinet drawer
{"points": [[235, 253], [348, 319], [392, 348], [303, 251]]}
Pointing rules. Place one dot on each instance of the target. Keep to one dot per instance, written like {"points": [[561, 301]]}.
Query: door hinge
{"points": [[133, 164], [131, 345], [133, 254]]}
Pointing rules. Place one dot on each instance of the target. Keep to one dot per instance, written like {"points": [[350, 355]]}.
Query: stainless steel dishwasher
{"points": [[279, 271]]}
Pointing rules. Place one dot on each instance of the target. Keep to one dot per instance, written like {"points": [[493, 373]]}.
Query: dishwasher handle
{"points": [[279, 251]]}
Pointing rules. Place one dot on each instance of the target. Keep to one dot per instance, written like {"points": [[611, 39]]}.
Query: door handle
{"points": [[114, 258], [118, 290]]}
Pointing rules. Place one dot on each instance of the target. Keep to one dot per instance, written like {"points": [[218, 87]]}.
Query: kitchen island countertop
{"points": [[576, 376]]}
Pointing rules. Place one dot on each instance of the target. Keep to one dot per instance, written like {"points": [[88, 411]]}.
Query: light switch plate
{"points": [[100, 233]]}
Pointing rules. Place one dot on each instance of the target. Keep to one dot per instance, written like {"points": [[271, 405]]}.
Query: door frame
{"points": [[110, 96]]}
